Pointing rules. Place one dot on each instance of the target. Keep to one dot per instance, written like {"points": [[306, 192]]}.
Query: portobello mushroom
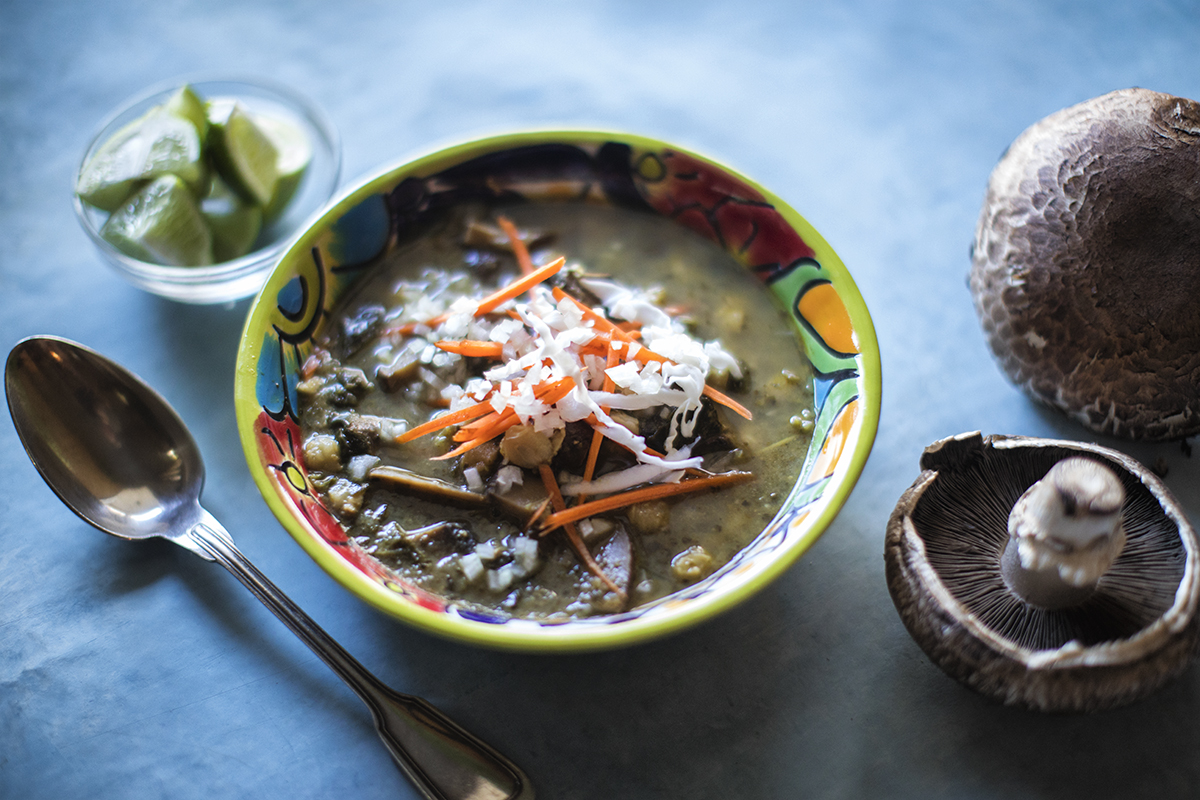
{"points": [[1053, 575], [1086, 263]]}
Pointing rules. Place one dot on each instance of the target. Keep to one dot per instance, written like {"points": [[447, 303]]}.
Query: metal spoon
{"points": [[120, 457]]}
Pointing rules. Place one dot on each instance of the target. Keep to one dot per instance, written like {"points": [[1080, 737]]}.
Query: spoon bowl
{"points": [[105, 442], [120, 457]]}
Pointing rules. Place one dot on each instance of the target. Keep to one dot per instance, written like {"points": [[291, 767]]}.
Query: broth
{"points": [[373, 376]]}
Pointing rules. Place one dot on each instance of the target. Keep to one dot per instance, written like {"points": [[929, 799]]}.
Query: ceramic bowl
{"points": [[794, 263], [241, 277]]}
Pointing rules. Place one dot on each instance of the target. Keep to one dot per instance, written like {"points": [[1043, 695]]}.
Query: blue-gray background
{"points": [[140, 671]]}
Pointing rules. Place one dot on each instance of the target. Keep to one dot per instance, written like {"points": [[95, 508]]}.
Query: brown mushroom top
{"points": [[1086, 263]]}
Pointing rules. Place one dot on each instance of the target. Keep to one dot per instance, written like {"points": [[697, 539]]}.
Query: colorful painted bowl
{"points": [[761, 231]]}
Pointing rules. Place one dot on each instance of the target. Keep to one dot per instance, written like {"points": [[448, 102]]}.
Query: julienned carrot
{"points": [[556, 499], [519, 286], [464, 447], [492, 427], [408, 328], [445, 420], [489, 303], [727, 401], [645, 356], [541, 509], [517, 243], [549, 393], [473, 429], [500, 421], [602, 323], [656, 492], [472, 347], [589, 468]]}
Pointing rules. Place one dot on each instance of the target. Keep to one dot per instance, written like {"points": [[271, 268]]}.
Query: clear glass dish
{"points": [[241, 277]]}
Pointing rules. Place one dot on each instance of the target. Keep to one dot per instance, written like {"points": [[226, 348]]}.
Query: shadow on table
{"points": [[940, 735], [686, 716]]}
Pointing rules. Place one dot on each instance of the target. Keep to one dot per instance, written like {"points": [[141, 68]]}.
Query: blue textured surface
{"points": [[141, 671]]}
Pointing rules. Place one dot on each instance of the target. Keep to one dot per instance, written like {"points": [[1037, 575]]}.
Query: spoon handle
{"points": [[445, 761]]}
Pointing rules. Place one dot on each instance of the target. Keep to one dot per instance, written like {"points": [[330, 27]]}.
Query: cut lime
{"points": [[186, 104], [295, 154], [155, 144], [162, 225], [243, 154], [234, 223]]}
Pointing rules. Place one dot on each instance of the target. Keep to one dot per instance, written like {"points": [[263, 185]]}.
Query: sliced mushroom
{"points": [[399, 371], [484, 234], [615, 559], [520, 502], [430, 488], [1079, 645]]}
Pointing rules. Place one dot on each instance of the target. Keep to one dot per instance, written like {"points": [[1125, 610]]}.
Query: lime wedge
{"points": [[155, 144], [161, 224], [295, 154], [234, 223], [243, 154], [187, 104]]}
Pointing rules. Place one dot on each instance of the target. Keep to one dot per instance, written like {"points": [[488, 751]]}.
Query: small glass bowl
{"points": [[241, 277]]}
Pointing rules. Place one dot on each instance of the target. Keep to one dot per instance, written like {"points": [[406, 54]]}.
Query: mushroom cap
{"points": [[1137, 629], [1086, 263]]}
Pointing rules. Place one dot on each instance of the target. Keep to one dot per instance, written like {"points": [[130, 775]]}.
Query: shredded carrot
{"points": [[497, 425], [403, 329], [541, 509], [727, 401], [409, 328], [520, 286], [602, 323], [471, 347], [472, 429], [458, 451], [471, 436], [556, 499], [445, 420], [655, 492], [517, 243], [589, 468], [646, 355]]}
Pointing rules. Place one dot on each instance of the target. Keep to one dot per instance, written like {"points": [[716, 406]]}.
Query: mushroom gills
{"points": [[1114, 624]]}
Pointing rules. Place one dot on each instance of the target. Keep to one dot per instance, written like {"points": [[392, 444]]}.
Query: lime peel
{"points": [[161, 224]]}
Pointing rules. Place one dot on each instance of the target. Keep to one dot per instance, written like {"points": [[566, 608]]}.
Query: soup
{"points": [[568, 433]]}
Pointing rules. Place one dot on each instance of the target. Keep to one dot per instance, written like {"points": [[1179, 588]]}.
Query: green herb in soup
{"points": [[568, 433]]}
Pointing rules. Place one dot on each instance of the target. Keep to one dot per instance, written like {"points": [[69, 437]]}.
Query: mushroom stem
{"points": [[1064, 534]]}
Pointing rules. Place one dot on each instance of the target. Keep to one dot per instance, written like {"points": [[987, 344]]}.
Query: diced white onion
{"points": [[472, 566], [359, 466]]}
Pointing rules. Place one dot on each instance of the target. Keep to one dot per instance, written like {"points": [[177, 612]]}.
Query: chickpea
{"points": [[525, 447], [322, 453], [650, 517], [692, 564]]}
